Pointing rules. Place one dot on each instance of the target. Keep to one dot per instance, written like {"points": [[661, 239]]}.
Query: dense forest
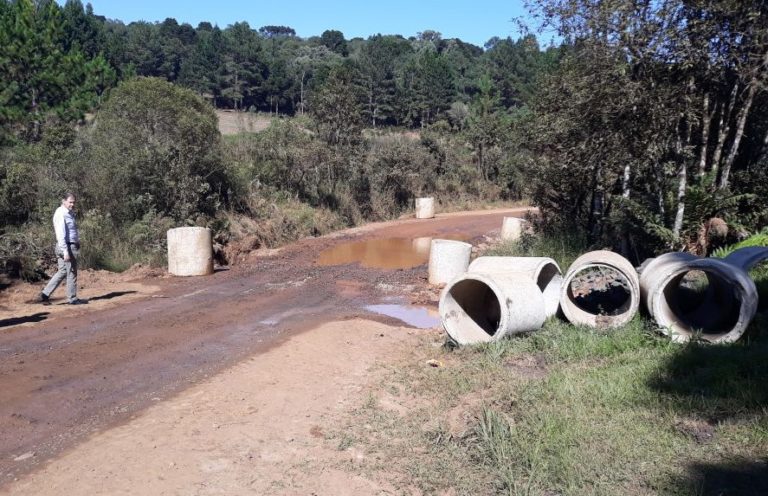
{"points": [[643, 125]]}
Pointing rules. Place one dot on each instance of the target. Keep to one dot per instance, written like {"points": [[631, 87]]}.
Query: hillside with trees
{"points": [[644, 123]]}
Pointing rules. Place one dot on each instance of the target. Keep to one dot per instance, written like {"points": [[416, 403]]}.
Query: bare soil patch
{"points": [[234, 122], [265, 426]]}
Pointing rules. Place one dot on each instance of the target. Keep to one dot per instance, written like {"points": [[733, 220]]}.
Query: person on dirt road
{"points": [[67, 250]]}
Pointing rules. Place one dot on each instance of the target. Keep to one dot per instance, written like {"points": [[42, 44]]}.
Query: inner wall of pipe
{"points": [[478, 301], [701, 302], [610, 300]]}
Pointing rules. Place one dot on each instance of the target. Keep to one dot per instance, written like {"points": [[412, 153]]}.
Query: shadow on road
{"points": [[109, 296], [37, 317]]}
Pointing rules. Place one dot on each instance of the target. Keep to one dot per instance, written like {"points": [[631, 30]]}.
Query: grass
{"points": [[574, 411]]}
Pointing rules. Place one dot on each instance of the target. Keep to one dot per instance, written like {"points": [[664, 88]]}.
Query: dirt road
{"points": [[68, 373]]}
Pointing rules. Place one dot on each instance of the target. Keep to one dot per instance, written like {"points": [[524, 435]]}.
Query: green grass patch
{"points": [[563, 249], [574, 411]]}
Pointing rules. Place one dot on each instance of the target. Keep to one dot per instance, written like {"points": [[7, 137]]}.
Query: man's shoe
{"points": [[78, 301], [43, 299]]}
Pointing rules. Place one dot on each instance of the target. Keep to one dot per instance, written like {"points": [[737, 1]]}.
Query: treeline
{"points": [[406, 81], [643, 131], [149, 155]]}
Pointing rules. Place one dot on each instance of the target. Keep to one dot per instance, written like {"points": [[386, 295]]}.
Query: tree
{"points": [[487, 127], [154, 147], [334, 41], [243, 68], [380, 59], [41, 78], [305, 65], [337, 108], [662, 116]]}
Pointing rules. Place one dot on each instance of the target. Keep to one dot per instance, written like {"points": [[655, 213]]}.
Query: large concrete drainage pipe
{"points": [[703, 298], [748, 257], [448, 259], [512, 228], [600, 289], [479, 308], [190, 251], [543, 271], [425, 208]]}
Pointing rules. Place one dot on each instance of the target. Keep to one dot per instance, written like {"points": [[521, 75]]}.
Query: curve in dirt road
{"points": [[67, 375]]}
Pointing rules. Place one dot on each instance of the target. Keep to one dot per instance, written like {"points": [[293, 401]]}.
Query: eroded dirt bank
{"points": [[71, 373]]}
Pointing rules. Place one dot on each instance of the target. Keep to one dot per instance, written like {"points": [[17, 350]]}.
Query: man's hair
{"points": [[67, 195]]}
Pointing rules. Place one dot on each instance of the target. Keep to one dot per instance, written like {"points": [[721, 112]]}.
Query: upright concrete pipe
{"points": [[479, 307], [721, 314], [448, 259], [543, 271], [604, 260], [512, 228], [425, 208], [190, 251]]}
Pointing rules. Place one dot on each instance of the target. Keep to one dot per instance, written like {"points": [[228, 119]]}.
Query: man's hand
{"points": [[66, 256]]}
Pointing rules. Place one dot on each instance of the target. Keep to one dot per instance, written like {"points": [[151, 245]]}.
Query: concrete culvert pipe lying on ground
{"points": [[748, 257], [425, 208], [543, 271], [448, 259], [600, 289], [190, 251], [479, 308], [705, 298]]}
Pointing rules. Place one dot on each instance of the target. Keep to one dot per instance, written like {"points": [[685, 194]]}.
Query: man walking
{"points": [[67, 250]]}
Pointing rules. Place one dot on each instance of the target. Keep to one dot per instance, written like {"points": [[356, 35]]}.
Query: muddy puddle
{"points": [[385, 253], [414, 316]]}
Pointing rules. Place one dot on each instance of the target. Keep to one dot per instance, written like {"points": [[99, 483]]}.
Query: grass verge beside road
{"points": [[571, 411]]}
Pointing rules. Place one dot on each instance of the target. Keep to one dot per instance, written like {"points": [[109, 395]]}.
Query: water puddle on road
{"points": [[385, 253], [419, 317]]}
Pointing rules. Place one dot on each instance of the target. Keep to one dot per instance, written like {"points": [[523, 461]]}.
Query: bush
{"points": [[154, 147]]}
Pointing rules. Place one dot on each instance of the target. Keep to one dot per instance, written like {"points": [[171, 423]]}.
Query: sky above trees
{"points": [[469, 20]]}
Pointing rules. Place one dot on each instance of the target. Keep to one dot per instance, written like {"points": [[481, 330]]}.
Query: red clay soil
{"points": [[67, 372]]}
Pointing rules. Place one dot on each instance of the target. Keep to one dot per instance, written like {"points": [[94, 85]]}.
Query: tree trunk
{"points": [[705, 124], [625, 187], [682, 184], [723, 128], [741, 121], [596, 209]]}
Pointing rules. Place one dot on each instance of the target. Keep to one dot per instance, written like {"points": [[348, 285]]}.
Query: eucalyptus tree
{"points": [[662, 94]]}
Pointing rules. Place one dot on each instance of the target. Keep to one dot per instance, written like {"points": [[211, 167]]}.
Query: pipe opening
{"points": [[701, 302], [546, 275], [600, 290], [474, 303]]}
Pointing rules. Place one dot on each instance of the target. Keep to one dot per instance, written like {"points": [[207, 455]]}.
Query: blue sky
{"points": [[471, 21]]}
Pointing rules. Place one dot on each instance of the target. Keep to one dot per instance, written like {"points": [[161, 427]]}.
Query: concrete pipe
{"points": [[600, 289], [425, 208], [479, 308], [673, 289], [512, 228], [541, 270], [448, 259], [422, 245], [748, 257], [190, 251]]}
